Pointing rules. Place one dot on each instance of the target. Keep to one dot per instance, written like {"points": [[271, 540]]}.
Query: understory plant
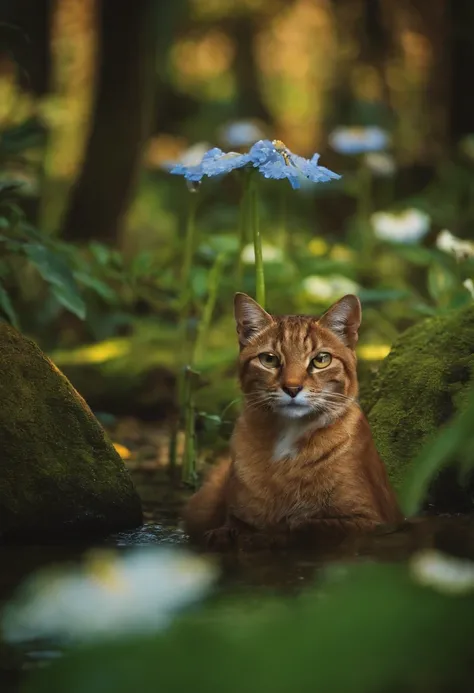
{"points": [[272, 160]]}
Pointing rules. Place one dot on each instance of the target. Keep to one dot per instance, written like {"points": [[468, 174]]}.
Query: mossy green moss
{"points": [[420, 385], [59, 473]]}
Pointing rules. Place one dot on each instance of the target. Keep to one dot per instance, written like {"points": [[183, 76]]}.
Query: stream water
{"points": [[284, 571]]}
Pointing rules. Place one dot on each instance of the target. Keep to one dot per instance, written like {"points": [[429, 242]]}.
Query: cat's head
{"points": [[298, 366]]}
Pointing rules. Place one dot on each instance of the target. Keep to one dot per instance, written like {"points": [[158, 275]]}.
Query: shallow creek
{"points": [[281, 572]]}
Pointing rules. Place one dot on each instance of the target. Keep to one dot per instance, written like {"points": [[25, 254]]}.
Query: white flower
{"points": [[454, 246], [444, 573], [408, 226], [358, 140], [380, 164], [328, 288], [111, 594], [270, 254], [469, 285], [241, 133]]}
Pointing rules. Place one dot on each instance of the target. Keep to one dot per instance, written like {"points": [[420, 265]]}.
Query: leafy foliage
{"points": [[371, 628]]}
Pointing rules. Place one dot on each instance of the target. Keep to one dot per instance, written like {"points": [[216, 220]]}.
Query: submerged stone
{"points": [[421, 384], [59, 473]]}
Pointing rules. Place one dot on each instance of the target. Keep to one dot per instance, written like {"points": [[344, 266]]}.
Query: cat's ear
{"points": [[250, 318], [343, 319]]}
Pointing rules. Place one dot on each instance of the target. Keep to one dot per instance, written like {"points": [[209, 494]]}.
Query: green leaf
{"points": [[440, 282], [56, 272], [219, 243], [7, 308], [142, 264], [100, 252], [199, 278], [448, 445], [101, 288], [211, 422], [376, 295], [416, 254], [424, 309]]}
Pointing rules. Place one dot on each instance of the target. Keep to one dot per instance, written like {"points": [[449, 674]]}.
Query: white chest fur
{"points": [[291, 432], [286, 443]]}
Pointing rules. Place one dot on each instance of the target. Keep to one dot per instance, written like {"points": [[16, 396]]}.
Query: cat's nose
{"points": [[292, 391]]}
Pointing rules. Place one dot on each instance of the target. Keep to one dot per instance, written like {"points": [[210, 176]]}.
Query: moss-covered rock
{"points": [[420, 385], [59, 474]]}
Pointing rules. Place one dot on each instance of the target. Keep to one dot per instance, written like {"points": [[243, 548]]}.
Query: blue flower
{"points": [[215, 162], [275, 160], [221, 162], [272, 159], [358, 140]]}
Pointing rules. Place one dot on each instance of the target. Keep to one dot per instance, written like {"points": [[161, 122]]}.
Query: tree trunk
{"points": [[24, 37], [121, 121], [461, 49], [243, 30]]}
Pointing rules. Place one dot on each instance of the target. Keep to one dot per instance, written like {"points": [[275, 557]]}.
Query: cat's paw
{"points": [[262, 541], [221, 538]]}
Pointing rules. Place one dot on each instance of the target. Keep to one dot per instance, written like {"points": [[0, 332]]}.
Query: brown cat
{"points": [[303, 460]]}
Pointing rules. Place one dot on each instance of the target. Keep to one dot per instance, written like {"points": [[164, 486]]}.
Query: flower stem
{"points": [[243, 223], [257, 244], [282, 231], [184, 301], [188, 252], [205, 322], [188, 471]]}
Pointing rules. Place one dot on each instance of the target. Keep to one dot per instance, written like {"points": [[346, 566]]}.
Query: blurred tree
{"points": [[460, 48], [362, 94], [67, 111], [24, 35], [418, 77], [244, 28], [121, 120]]}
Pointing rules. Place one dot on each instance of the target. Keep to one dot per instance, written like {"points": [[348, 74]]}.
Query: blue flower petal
{"points": [[191, 173], [178, 169], [261, 152], [272, 159], [277, 169], [224, 163]]}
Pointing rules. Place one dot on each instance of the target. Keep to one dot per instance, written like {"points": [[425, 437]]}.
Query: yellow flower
{"points": [[341, 253], [373, 352], [318, 247], [124, 452]]}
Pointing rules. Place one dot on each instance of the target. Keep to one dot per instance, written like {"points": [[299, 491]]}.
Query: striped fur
{"points": [[304, 466]]}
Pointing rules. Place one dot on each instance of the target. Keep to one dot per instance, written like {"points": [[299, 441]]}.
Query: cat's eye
{"points": [[269, 360], [321, 360]]}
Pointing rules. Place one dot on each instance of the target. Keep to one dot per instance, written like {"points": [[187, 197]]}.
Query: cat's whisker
{"points": [[260, 400], [340, 395], [337, 397]]}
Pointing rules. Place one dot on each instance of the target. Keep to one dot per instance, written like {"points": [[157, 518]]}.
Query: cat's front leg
{"points": [[221, 538], [227, 536], [264, 540], [333, 527]]}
